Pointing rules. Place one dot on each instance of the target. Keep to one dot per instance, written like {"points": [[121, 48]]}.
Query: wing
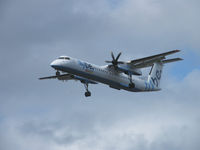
{"points": [[148, 61], [66, 77], [59, 77]]}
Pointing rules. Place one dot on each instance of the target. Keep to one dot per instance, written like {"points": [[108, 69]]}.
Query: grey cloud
{"points": [[51, 131], [113, 137], [161, 121]]}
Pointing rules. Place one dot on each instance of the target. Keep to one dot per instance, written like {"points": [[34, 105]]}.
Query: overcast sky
{"points": [[55, 115]]}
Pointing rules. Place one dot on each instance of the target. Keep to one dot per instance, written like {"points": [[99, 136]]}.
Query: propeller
{"points": [[115, 61]]}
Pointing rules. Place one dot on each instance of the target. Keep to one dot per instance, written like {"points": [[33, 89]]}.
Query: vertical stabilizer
{"points": [[155, 75]]}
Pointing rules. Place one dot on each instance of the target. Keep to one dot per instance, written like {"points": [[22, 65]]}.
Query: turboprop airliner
{"points": [[126, 75]]}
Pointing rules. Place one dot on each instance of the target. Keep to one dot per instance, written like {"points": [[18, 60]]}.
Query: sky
{"points": [[55, 115]]}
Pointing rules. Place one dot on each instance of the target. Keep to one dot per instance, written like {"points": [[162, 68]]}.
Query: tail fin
{"points": [[155, 75]]}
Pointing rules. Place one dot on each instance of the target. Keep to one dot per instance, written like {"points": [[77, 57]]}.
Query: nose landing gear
{"points": [[57, 73]]}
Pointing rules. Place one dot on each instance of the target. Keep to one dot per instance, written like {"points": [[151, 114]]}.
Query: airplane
{"points": [[126, 75]]}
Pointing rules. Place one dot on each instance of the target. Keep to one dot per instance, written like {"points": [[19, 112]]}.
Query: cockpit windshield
{"points": [[64, 57]]}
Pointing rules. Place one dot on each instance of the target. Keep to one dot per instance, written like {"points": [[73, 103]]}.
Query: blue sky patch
{"points": [[191, 62]]}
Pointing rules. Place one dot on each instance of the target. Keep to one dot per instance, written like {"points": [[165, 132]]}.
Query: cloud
{"points": [[164, 120]]}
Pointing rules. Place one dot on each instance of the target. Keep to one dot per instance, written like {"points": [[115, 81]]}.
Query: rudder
{"points": [[155, 75]]}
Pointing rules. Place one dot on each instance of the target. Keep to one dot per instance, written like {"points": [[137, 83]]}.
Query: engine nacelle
{"points": [[127, 69]]}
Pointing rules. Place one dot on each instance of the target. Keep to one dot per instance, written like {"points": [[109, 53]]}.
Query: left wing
{"points": [[134, 66], [148, 61], [66, 77]]}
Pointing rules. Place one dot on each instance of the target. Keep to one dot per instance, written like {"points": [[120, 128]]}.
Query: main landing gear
{"points": [[87, 93], [131, 84]]}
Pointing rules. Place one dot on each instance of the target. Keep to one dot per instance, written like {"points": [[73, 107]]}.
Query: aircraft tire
{"points": [[57, 73], [87, 94], [131, 85]]}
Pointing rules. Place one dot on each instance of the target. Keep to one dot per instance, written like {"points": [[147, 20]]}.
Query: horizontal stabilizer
{"points": [[171, 60]]}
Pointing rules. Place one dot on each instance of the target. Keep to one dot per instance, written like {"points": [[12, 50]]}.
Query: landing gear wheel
{"points": [[131, 85], [57, 73], [87, 94]]}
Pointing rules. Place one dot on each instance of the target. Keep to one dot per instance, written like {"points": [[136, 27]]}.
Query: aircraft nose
{"points": [[54, 64]]}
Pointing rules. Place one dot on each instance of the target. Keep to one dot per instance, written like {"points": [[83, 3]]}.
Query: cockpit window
{"points": [[64, 57]]}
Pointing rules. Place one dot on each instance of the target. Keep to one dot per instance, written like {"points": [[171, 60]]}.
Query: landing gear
{"points": [[87, 93], [131, 84], [57, 73]]}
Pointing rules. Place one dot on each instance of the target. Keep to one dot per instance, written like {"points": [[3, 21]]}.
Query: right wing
{"points": [[59, 77]]}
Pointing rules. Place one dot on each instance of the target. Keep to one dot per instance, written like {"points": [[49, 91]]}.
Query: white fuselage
{"points": [[102, 74]]}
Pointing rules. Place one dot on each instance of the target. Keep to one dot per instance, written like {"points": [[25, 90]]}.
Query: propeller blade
{"points": [[108, 61], [113, 57], [115, 61], [118, 56]]}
